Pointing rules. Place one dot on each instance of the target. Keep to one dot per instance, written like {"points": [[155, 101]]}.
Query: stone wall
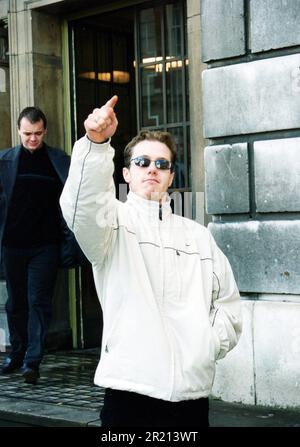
{"points": [[36, 68], [251, 114], [5, 124]]}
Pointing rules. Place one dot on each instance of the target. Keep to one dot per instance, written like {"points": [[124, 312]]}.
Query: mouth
{"points": [[151, 180]]}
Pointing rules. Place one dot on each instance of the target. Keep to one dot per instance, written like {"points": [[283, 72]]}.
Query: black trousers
{"points": [[126, 409], [30, 279]]}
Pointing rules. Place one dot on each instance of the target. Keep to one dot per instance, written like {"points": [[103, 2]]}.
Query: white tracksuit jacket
{"points": [[170, 303]]}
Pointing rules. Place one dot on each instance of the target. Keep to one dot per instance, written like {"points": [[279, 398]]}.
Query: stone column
{"points": [[197, 140], [21, 63], [5, 140], [36, 67]]}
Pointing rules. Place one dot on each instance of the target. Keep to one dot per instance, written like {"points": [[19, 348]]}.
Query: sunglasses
{"points": [[144, 162]]}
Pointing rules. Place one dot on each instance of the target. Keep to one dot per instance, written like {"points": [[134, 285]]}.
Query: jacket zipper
{"points": [[169, 337], [160, 211]]}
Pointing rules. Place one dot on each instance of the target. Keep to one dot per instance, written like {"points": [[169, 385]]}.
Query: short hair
{"points": [[151, 135], [33, 114]]}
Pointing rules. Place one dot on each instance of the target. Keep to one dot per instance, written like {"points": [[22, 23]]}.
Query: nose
{"points": [[152, 167]]}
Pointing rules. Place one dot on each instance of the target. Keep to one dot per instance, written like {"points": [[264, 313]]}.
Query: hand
{"points": [[102, 123]]}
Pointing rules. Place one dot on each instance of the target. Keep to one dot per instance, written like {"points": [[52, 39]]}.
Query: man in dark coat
{"points": [[32, 176]]}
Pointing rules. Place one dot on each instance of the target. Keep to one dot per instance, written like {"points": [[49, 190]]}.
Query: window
{"points": [[162, 79]]}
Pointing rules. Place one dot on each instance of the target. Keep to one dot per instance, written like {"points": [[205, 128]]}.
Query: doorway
{"points": [[140, 54], [103, 66], [102, 55]]}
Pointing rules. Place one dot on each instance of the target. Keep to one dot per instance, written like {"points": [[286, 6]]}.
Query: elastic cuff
{"points": [[95, 142]]}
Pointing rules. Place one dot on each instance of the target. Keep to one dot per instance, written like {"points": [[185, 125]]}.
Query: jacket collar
{"points": [[150, 208]]}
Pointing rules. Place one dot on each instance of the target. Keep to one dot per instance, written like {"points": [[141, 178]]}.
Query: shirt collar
{"points": [[151, 208]]}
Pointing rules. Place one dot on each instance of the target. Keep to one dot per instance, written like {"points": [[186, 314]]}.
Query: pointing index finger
{"points": [[112, 101]]}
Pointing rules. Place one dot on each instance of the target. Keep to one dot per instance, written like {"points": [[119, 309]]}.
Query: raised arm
{"points": [[88, 199]]}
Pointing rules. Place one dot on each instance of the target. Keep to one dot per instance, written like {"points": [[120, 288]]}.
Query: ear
{"points": [[126, 175], [45, 131], [171, 179]]}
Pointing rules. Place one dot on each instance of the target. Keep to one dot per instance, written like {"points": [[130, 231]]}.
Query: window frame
{"points": [[184, 124]]}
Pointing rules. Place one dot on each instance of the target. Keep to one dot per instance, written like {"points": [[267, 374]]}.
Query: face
{"points": [[149, 182], [32, 134]]}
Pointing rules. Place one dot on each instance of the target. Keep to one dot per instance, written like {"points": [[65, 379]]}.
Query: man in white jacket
{"points": [[170, 303]]}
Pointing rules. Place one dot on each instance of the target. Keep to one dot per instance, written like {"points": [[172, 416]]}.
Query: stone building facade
{"points": [[251, 104], [241, 123]]}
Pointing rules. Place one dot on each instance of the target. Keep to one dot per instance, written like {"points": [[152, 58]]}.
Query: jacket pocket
{"points": [[112, 333], [217, 343]]}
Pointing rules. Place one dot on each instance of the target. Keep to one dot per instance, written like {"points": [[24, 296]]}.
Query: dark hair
{"points": [[151, 135], [33, 114]]}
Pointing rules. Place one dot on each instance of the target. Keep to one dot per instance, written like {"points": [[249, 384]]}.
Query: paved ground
{"points": [[65, 396]]}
